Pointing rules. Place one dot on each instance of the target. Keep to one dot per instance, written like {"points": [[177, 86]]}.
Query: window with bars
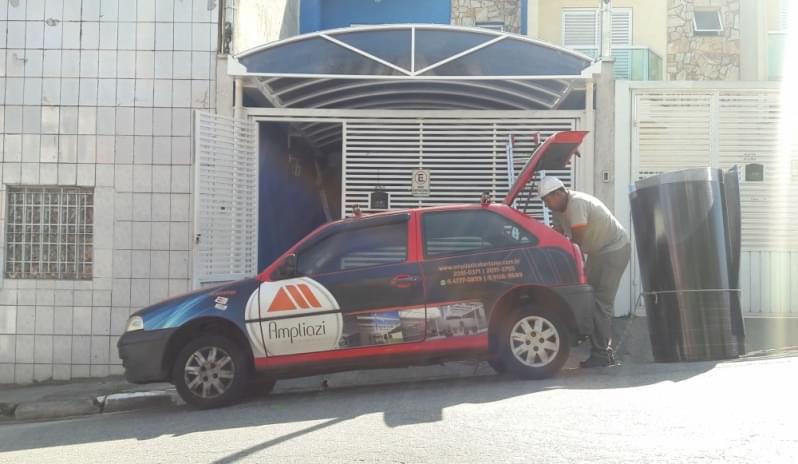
{"points": [[49, 233]]}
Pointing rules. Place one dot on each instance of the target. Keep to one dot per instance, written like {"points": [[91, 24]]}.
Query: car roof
{"points": [[425, 209]]}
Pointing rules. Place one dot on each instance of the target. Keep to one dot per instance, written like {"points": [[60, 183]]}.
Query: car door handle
{"points": [[404, 281]]}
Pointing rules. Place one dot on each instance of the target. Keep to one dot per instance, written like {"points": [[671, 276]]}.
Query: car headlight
{"points": [[135, 323]]}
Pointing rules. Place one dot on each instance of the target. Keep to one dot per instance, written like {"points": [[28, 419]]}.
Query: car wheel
{"points": [[497, 365], [210, 372], [534, 343], [261, 386]]}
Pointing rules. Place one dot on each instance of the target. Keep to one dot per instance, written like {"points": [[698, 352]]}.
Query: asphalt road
{"points": [[743, 411]]}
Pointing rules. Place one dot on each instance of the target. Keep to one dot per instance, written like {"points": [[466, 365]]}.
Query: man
{"points": [[605, 242]]}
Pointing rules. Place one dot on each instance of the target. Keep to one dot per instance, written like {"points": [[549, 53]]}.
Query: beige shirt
{"points": [[603, 233]]}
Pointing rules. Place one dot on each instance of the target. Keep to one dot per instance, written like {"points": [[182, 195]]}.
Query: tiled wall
{"points": [[100, 93]]}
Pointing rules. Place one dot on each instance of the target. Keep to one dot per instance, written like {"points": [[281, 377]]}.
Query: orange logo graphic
{"points": [[292, 297]]}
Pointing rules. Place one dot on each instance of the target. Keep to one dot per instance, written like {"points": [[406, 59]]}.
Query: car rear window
{"points": [[450, 232]]}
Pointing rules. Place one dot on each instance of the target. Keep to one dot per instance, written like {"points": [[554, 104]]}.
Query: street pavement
{"points": [[740, 411]]}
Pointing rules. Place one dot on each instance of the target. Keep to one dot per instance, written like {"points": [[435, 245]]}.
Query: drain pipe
{"points": [[606, 29], [238, 105]]}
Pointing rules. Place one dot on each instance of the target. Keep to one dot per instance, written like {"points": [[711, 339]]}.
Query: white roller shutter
{"points": [[226, 198], [580, 28], [464, 157]]}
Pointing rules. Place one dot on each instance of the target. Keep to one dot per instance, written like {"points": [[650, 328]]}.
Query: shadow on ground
{"points": [[401, 404]]}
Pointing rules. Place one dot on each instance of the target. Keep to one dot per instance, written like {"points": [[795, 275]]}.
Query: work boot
{"points": [[599, 359]]}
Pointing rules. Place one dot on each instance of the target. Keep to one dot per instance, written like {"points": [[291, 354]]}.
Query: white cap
{"points": [[549, 184]]}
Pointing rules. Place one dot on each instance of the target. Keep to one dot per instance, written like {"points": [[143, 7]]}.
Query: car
{"points": [[404, 287]]}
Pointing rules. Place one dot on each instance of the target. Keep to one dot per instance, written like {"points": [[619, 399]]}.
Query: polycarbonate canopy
{"points": [[412, 67]]}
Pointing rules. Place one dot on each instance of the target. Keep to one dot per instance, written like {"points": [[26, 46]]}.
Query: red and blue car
{"points": [[400, 288]]}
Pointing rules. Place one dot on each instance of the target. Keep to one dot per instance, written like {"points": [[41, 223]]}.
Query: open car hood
{"points": [[553, 154]]}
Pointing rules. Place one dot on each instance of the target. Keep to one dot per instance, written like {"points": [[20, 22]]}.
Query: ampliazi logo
{"points": [[291, 297]]}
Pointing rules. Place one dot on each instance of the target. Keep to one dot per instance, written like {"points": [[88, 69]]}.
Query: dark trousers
{"points": [[604, 272]]}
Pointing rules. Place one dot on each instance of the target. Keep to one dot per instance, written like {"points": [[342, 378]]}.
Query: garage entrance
{"points": [[345, 117]]}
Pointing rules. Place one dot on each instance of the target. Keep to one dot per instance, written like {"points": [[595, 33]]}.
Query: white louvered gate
{"points": [[226, 198], [465, 157], [680, 129]]}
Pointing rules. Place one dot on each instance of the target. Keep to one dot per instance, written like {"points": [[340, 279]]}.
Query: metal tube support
{"points": [[239, 99], [606, 28]]}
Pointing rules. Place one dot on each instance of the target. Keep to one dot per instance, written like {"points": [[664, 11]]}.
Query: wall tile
{"points": [[162, 121], [87, 146], [62, 319], [23, 374], [201, 12], [109, 10], [183, 12], [16, 34], [140, 293], [33, 91], [81, 320], [13, 123], [67, 145], [160, 204], [34, 34], [8, 348], [181, 65], [201, 37], [123, 207], [161, 180], [15, 91], [44, 320], [140, 264], [24, 349], [103, 263], [126, 64], [106, 92], [108, 36], [106, 145], [26, 320], [181, 93], [164, 10], [90, 36], [145, 61], [30, 173], [119, 318], [67, 174], [162, 96], [50, 119], [70, 88], [141, 206], [51, 63], [42, 372], [180, 208], [124, 124], [32, 120], [35, 10], [140, 238], [43, 349], [142, 149], [101, 298], [178, 264], [62, 349], [105, 175], [51, 91], [106, 123], [180, 179], [70, 63], [62, 372], [90, 10], [71, 35], [81, 350], [142, 180], [85, 175], [99, 370], [126, 35], [161, 150], [159, 264], [48, 173], [160, 236], [143, 121], [100, 321], [179, 236], [88, 92], [120, 296], [163, 64], [54, 9], [121, 263], [15, 62], [6, 373], [123, 178], [164, 36], [87, 120], [80, 371], [181, 122], [145, 10], [8, 319], [182, 36], [159, 290], [34, 63], [106, 64], [68, 117]]}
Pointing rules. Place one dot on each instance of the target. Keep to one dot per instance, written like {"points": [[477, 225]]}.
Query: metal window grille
{"points": [[49, 233]]}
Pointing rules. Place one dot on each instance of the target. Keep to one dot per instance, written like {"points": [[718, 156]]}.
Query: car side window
{"points": [[355, 248], [461, 231]]}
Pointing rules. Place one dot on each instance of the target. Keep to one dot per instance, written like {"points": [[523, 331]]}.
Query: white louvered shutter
{"points": [[580, 28], [226, 198], [784, 12], [464, 157], [621, 27]]}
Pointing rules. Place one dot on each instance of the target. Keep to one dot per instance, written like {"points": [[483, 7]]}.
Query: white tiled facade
{"points": [[100, 93]]}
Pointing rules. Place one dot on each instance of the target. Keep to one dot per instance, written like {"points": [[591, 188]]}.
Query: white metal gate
{"points": [[680, 128], [225, 198], [464, 157]]}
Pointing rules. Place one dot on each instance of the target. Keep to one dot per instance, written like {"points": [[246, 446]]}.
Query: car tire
{"points": [[497, 365], [211, 371], [261, 386], [534, 343]]}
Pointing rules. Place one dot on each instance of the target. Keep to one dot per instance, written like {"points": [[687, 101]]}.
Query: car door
{"points": [[471, 258], [360, 288]]}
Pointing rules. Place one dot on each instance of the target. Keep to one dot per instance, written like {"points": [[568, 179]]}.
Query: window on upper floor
{"points": [[707, 22], [49, 233], [783, 14], [581, 28], [492, 25]]}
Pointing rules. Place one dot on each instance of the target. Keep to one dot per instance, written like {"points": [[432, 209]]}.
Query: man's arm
{"points": [[578, 234]]}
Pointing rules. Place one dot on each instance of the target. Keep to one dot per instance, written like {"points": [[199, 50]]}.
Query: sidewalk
{"points": [[113, 394]]}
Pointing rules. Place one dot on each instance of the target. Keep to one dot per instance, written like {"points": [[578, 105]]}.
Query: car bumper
{"points": [[142, 354], [581, 301]]}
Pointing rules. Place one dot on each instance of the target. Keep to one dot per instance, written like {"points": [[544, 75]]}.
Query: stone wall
{"points": [[470, 12], [703, 57]]}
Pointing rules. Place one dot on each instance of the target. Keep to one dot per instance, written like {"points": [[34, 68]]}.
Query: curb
{"points": [[115, 402]]}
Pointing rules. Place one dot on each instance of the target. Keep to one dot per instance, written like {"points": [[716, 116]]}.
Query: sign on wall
{"points": [[420, 183]]}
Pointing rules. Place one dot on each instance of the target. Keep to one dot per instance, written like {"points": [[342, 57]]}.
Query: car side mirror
{"points": [[289, 267]]}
